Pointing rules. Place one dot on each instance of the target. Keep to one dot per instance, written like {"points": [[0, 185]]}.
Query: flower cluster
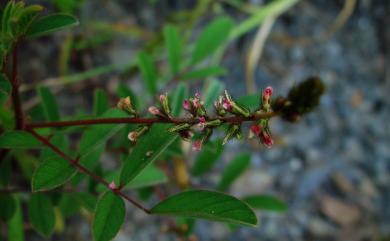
{"points": [[230, 112]]}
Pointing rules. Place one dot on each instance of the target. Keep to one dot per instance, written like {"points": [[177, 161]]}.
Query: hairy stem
{"points": [[137, 120], [82, 169]]}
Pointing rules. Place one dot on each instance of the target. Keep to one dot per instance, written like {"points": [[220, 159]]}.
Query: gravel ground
{"points": [[332, 168]]}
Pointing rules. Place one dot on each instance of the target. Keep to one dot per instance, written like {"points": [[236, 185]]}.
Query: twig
{"points": [[137, 120], [82, 169]]}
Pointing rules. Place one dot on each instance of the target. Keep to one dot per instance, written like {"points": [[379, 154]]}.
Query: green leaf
{"points": [[18, 139], [204, 73], [41, 213], [250, 101], [49, 104], [214, 35], [209, 205], [213, 89], [68, 204], [87, 200], [173, 44], [109, 217], [148, 71], [180, 94], [51, 23], [150, 176], [207, 157], [96, 135], [275, 8], [7, 206], [148, 149], [15, 224], [5, 89], [266, 202], [235, 168], [52, 173], [100, 102]]}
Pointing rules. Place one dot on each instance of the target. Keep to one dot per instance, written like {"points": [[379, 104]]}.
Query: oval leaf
{"points": [[148, 148], [266, 202], [49, 104], [215, 34], [52, 173], [173, 44], [41, 213], [109, 217], [18, 139], [209, 205], [15, 224], [149, 72], [51, 23]]}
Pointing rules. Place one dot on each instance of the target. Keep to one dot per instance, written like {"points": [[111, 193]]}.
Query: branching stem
{"points": [[82, 169]]}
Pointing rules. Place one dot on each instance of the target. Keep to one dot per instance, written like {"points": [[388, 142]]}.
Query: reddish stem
{"points": [[80, 168], [230, 119]]}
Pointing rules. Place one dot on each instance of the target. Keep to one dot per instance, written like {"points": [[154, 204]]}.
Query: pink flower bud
{"points": [[186, 104], [197, 146], [112, 185], [266, 139], [154, 110], [162, 98], [227, 105], [202, 119], [256, 129], [268, 91], [196, 103], [197, 95]]}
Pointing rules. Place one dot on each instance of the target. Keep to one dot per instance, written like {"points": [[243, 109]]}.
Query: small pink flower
{"points": [[196, 103], [201, 123], [186, 104], [268, 91], [227, 105], [112, 185], [266, 139], [202, 119], [197, 146], [197, 95], [154, 110], [256, 129]]}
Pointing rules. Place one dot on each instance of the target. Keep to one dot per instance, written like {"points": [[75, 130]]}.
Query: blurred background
{"points": [[332, 168]]}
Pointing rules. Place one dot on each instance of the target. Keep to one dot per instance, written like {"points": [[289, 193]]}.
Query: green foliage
{"points": [[49, 104], [173, 44], [18, 139], [266, 202], [15, 224], [109, 217], [207, 157], [148, 149], [7, 206], [100, 102], [180, 94], [149, 72], [213, 89], [213, 36], [5, 89], [235, 168], [52, 173], [41, 213], [209, 205], [51, 23], [204, 73]]}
